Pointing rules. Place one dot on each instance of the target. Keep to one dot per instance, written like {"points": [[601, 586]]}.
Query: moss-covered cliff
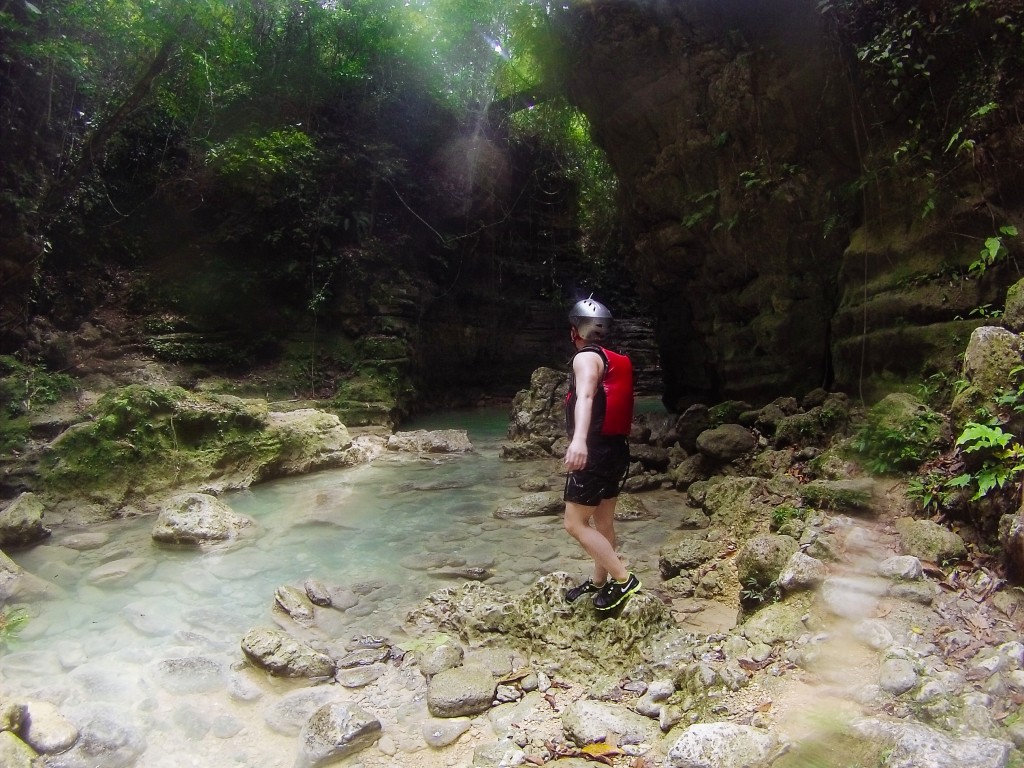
{"points": [[809, 183]]}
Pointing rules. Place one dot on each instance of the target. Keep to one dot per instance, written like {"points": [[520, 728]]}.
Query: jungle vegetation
{"points": [[284, 148]]}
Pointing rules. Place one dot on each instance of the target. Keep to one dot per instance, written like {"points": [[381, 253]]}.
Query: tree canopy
{"points": [[266, 139]]}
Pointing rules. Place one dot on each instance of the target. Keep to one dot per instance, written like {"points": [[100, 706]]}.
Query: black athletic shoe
{"points": [[588, 586], [614, 593]]}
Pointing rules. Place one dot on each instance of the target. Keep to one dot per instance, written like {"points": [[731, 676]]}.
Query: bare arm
{"points": [[587, 369]]}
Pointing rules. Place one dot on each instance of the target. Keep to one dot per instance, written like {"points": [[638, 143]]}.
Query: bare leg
{"points": [[594, 542], [604, 522]]}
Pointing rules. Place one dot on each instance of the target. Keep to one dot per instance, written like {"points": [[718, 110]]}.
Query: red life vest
{"points": [[613, 401]]}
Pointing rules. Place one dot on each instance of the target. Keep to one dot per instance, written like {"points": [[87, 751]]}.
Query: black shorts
{"points": [[607, 464]]}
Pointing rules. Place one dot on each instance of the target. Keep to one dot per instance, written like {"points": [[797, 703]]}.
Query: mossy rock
{"points": [[815, 426], [146, 441]]}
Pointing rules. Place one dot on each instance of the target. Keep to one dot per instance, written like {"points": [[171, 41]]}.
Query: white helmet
{"points": [[591, 319]]}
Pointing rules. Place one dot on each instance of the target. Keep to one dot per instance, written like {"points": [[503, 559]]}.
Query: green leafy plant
{"points": [[934, 491], [887, 448], [755, 594], [784, 513], [1003, 463], [12, 621], [994, 251], [24, 388]]}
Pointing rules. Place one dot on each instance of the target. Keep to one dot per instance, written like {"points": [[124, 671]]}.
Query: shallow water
{"points": [[105, 649]]}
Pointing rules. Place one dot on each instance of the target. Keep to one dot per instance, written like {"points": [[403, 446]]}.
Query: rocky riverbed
{"points": [[859, 647], [796, 611]]}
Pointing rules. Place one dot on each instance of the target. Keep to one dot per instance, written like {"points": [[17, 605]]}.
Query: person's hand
{"points": [[576, 455]]}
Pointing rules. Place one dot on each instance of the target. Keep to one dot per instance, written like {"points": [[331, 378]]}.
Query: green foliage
{"points": [[783, 513], [754, 594], [934, 491], [12, 621], [994, 252], [263, 160], [1003, 460], [888, 447], [24, 388]]}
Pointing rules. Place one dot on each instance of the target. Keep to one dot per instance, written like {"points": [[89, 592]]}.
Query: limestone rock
{"points": [[538, 413], [289, 713], [586, 722], [901, 567], [317, 592], [540, 619], [439, 658], [296, 604], [1013, 312], [281, 654], [539, 504], [694, 420], [897, 675], [442, 732], [196, 518], [334, 732], [691, 470], [802, 572], [917, 746], [1011, 537], [460, 691], [125, 569], [16, 582], [721, 745], [726, 442], [776, 623], [310, 440], [189, 674], [650, 456], [761, 559], [46, 730], [431, 441], [631, 507], [929, 541], [735, 503], [991, 355], [21, 522], [689, 553]]}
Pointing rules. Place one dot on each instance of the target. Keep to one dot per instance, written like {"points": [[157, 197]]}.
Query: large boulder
{"points": [[282, 655], [761, 560], [17, 583], [540, 504], [722, 745], [431, 441], [914, 745], [684, 555], [991, 356], [197, 518], [927, 540], [461, 691], [537, 419], [726, 442], [336, 731], [21, 522], [309, 440], [586, 722]]}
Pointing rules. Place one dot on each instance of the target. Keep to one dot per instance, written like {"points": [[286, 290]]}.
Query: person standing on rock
{"points": [[598, 415]]}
